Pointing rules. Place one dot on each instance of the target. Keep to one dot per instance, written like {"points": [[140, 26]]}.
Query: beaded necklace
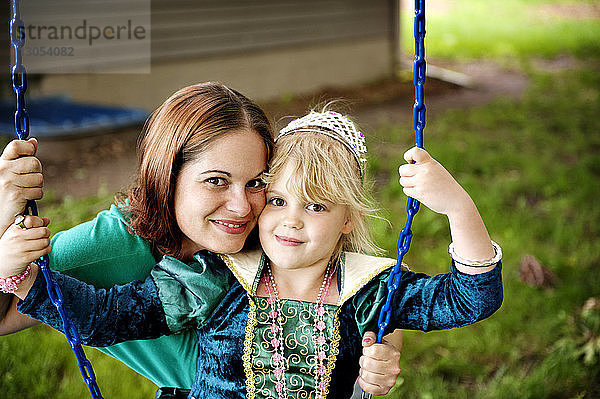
{"points": [[277, 322]]}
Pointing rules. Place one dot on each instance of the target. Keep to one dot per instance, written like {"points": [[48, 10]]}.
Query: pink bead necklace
{"points": [[277, 322]]}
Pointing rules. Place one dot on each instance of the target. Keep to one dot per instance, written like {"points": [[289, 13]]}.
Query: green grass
{"points": [[533, 168], [39, 363], [505, 28]]}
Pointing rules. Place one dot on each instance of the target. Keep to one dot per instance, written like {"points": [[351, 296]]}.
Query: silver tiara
{"points": [[334, 125]]}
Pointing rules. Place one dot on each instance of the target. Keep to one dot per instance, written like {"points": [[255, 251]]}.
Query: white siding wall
{"points": [[263, 48]]}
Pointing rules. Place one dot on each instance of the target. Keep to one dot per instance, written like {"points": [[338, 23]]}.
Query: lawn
{"points": [[533, 168], [509, 28], [531, 165]]}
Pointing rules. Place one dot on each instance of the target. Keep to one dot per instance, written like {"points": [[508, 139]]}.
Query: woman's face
{"points": [[220, 194]]}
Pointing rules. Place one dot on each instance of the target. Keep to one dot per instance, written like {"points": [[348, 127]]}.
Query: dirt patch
{"points": [[577, 11], [355, 99], [558, 64], [107, 162]]}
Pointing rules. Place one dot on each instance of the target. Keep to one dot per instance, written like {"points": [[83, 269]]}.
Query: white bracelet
{"points": [[472, 263]]}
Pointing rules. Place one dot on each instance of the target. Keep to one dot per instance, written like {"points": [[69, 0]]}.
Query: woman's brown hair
{"points": [[176, 133]]}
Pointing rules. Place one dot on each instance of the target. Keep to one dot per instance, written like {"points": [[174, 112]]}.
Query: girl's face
{"points": [[219, 195], [295, 234]]}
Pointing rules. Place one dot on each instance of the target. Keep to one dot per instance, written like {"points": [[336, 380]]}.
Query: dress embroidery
{"points": [[299, 322], [278, 360], [247, 356]]}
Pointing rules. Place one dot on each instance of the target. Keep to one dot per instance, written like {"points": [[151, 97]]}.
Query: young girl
{"points": [[291, 323]]}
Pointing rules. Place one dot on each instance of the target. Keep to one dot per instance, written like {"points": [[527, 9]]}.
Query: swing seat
{"points": [[58, 116]]}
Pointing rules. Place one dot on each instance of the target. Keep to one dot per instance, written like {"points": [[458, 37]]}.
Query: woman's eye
{"points": [[216, 181], [275, 201], [256, 185], [316, 207]]}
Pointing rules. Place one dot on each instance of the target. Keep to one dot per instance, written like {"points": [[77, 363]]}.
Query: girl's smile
{"points": [[288, 241]]}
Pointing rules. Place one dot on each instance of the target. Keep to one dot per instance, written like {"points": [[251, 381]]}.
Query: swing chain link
{"points": [[19, 83], [412, 205], [19, 75]]}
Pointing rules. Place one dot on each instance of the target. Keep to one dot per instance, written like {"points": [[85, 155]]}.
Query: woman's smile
{"points": [[231, 226]]}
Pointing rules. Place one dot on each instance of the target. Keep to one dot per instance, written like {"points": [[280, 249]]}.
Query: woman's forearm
{"points": [[13, 321], [5, 301]]}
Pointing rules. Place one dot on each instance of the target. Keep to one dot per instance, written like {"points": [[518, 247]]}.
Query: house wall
{"points": [[263, 75], [264, 48]]}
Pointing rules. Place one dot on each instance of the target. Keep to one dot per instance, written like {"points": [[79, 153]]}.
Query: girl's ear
{"points": [[348, 226]]}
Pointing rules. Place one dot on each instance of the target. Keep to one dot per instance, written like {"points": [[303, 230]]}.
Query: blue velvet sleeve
{"points": [[102, 317], [428, 303]]}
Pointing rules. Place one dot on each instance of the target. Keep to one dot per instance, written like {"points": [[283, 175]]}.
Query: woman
{"points": [[199, 186]]}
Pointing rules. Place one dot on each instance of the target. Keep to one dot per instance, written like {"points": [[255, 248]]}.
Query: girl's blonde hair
{"points": [[325, 170]]}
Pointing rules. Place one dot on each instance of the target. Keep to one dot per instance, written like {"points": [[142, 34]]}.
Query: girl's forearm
{"points": [[134, 308], [470, 237]]}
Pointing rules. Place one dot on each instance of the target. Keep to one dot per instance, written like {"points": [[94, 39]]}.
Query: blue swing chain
{"points": [[412, 205], [19, 83]]}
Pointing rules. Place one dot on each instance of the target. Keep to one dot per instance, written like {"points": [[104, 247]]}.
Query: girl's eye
{"points": [[256, 185], [216, 181], [316, 207], [276, 201]]}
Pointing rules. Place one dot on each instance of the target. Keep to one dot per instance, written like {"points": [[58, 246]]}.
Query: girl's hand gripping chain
{"points": [[427, 181], [21, 245], [379, 365]]}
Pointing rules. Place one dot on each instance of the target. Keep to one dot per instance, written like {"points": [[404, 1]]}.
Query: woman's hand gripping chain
{"points": [[20, 179]]}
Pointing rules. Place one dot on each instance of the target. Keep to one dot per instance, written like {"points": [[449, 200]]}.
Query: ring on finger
{"points": [[19, 221]]}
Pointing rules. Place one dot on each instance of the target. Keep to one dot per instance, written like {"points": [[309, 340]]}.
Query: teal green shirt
{"points": [[103, 252]]}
